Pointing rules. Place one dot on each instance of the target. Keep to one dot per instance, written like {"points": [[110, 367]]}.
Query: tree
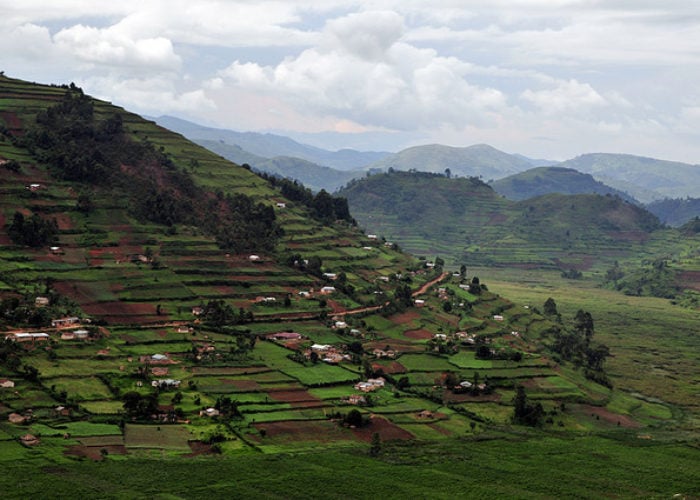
{"points": [[583, 324], [525, 413], [550, 307]]}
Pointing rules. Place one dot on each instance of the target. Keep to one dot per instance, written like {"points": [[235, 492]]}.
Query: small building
{"points": [[304, 294], [330, 276], [27, 337], [356, 399], [209, 412], [6, 383], [371, 236], [341, 324], [371, 384], [166, 383], [284, 336], [440, 336], [281, 204], [320, 348], [184, 329], [41, 301], [81, 334], [254, 258], [62, 322], [34, 187], [327, 290], [497, 317], [197, 311], [29, 440], [419, 302]]}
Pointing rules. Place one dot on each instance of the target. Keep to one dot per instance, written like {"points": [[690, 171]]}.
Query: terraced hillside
{"points": [[136, 327]]}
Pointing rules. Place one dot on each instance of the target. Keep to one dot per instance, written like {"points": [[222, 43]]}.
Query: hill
{"points": [[159, 301], [675, 212], [479, 160], [466, 221], [646, 179], [272, 145], [546, 180], [310, 174]]}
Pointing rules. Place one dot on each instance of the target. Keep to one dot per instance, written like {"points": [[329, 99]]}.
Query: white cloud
{"points": [[149, 95], [567, 96], [109, 47]]}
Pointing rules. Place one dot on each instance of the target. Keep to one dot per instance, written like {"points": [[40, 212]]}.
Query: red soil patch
{"points": [[324, 431], [610, 417], [199, 448], [12, 121], [388, 431], [390, 368], [297, 398], [405, 317], [690, 279], [418, 334]]}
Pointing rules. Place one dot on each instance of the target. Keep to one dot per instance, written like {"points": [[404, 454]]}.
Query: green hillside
{"points": [[466, 221], [675, 212], [162, 305], [545, 180]]}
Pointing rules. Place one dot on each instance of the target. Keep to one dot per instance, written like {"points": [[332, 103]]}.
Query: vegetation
{"points": [[245, 369]]}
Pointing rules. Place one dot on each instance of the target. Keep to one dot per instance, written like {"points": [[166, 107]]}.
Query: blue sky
{"points": [[544, 78]]}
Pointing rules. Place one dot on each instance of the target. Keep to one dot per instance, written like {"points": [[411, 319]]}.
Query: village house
{"points": [[326, 290], [16, 418], [371, 384], [27, 337], [425, 414], [34, 187], [156, 359], [254, 258], [209, 412], [184, 329], [63, 322], [166, 383], [382, 353], [419, 302], [56, 250], [440, 336], [355, 399], [29, 440], [340, 324], [497, 317], [372, 236], [304, 294], [330, 276], [281, 204], [284, 336], [6, 383], [41, 301], [197, 311]]}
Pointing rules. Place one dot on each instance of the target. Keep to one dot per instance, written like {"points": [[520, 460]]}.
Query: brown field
{"points": [[390, 368], [95, 452], [324, 431], [610, 417], [405, 317], [388, 431], [418, 334]]}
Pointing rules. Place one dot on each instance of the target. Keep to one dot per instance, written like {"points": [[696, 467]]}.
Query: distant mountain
{"points": [[271, 145], [536, 162], [675, 212], [311, 175], [464, 220], [646, 179], [546, 180], [480, 160]]}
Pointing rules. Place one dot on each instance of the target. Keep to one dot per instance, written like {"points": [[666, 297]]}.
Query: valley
{"points": [[229, 332]]}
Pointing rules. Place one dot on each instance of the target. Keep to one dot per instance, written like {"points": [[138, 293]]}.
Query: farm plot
{"points": [[82, 388], [166, 437], [426, 363], [321, 374]]}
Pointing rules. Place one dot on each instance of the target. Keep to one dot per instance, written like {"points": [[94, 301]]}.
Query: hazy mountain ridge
{"points": [[545, 180], [271, 145], [480, 160], [646, 179]]}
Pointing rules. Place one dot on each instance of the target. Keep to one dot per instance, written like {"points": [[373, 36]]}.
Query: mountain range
{"points": [[637, 178]]}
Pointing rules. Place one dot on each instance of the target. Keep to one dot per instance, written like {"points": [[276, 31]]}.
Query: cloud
{"points": [[149, 95], [567, 96], [363, 72], [109, 47]]}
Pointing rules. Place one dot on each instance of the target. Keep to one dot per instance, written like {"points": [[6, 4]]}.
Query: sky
{"points": [[545, 78]]}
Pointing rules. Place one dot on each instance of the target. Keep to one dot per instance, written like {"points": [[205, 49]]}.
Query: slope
{"points": [[545, 180]]}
